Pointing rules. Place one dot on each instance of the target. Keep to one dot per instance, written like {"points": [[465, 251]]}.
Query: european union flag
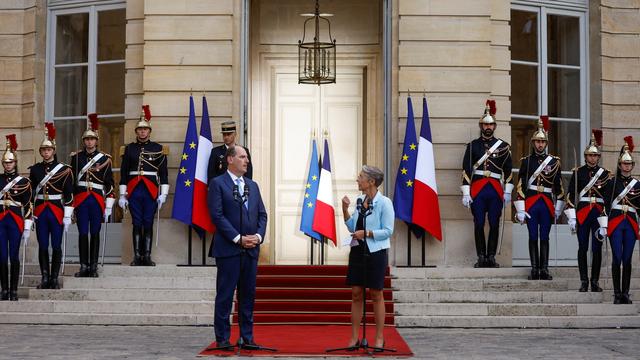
{"points": [[403, 194], [183, 199], [310, 195]]}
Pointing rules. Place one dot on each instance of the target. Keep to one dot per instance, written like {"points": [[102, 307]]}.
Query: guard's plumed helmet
{"points": [[49, 136], [145, 118], [543, 129], [489, 116], [10, 152], [625, 152], [92, 129], [596, 141]]}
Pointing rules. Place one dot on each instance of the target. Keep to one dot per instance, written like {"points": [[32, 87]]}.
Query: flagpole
{"points": [[311, 242], [424, 250], [190, 236], [408, 245]]}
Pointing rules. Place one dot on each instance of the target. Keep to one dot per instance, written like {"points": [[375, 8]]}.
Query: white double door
{"points": [[333, 111]]}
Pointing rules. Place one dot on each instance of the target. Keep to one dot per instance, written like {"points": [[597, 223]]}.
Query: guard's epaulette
{"points": [[122, 150], [165, 149], [107, 155], [523, 158], [575, 168], [73, 153]]}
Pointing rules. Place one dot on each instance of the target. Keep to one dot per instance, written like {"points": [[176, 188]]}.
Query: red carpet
{"points": [[303, 294], [312, 341]]}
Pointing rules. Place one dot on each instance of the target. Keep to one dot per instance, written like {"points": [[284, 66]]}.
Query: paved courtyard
{"points": [[150, 342]]}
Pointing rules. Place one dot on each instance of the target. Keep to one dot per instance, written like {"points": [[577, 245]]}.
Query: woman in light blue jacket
{"points": [[369, 250]]}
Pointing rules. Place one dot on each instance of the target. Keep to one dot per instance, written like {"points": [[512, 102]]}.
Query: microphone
{"points": [[245, 195], [236, 193], [359, 205]]}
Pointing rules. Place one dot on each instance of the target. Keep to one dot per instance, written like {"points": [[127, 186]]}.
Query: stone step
{"points": [[122, 295], [34, 269], [568, 322], [546, 297], [153, 282], [478, 285], [506, 272], [158, 271], [107, 307], [107, 319], [461, 309]]}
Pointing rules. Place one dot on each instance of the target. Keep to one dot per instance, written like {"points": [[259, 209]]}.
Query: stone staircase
{"points": [[503, 298], [423, 297]]}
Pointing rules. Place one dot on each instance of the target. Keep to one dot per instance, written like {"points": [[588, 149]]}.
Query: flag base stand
{"points": [[189, 252]]}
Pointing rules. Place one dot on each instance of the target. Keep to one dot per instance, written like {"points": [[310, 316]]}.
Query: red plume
{"points": [[51, 130], [597, 134], [492, 107], [13, 143], [93, 119], [545, 122], [629, 141], [147, 112]]}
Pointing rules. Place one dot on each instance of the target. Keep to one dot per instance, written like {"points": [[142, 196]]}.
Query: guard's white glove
{"points": [[521, 215], [27, 229], [603, 221], [571, 219], [507, 193], [559, 208], [66, 220], [122, 201], [164, 192], [466, 196], [108, 208]]}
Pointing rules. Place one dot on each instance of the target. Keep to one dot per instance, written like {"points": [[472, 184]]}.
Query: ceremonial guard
{"points": [[487, 184], [539, 187], [15, 219], [585, 205], [93, 197], [218, 158], [144, 186], [53, 207], [622, 203]]}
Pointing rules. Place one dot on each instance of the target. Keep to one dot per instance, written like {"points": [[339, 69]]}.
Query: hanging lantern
{"points": [[317, 58]]}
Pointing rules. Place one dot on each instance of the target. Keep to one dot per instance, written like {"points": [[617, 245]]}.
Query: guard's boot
{"points": [[544, 261], [615, 278], [596, 262], [582, 267], [148, 243], [137, 243], [56, 262], [4, 281], [93, 255], [83, 252], [492, 246], [535, 260], [15, 275], [43, 260], [481, 249], [626, 282]]}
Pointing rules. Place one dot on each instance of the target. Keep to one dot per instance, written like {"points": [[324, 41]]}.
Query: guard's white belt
{"points": [[624, 208], [541, 189], [144, 173], [90, 185], [6, 202], [594, 199], [49, 197], [488, 174]]}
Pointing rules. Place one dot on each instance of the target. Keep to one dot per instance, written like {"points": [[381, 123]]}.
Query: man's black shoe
{"points": [[224, 345]]}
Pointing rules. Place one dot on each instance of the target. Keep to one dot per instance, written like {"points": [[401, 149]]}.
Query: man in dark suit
{"points": [[240, 217], [218, 158]]}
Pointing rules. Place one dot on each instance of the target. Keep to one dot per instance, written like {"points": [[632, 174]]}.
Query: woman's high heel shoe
{"points": [[355, 346], [379, 349]]}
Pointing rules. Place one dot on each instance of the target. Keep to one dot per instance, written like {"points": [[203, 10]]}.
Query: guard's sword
{"points": [[24, 260], [157, 226], [64, 251], [104, 240]]}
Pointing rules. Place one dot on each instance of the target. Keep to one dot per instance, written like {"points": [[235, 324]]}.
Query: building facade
{"points": [[576, 60]]}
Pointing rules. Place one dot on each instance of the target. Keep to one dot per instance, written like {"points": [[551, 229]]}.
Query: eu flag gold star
{"points": [[308, 186], [314, 178], [192, 145], [412, 146], [183, 170], [187, 183], [405, 157], [185, 156], [306, 195], [409, 183], [310, 204], [403, 171]]}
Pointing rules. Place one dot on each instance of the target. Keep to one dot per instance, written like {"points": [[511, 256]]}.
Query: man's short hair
{"points": [[231, 151]]}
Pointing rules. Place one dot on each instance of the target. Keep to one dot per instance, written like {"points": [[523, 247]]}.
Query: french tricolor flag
{"points": [[200, 216], [426, 209], [324, 218]]}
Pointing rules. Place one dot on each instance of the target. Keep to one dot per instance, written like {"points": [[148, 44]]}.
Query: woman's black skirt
{"points": [[376, 267]]}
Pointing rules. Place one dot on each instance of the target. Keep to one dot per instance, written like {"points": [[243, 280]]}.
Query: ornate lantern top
{"points": [[317, 58]]}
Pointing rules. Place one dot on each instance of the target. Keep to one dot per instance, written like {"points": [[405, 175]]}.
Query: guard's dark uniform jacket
{"points": [[625, 207], [545, 185], [494, 170], [16, 201], [144, 164], [591, 199], [218, 162], [93, 177], [56, 193]]}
